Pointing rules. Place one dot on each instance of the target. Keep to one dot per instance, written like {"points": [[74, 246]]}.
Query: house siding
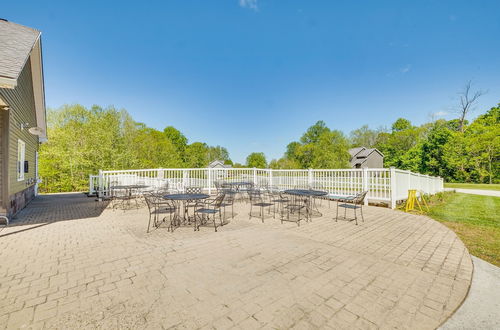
{"points": [[21, 110], [3, 160], [374, 160]]}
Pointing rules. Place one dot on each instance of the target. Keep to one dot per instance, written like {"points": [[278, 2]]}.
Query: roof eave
{"points": [[39, 87]]}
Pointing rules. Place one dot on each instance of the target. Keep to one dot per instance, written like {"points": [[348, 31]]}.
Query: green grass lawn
{"points": [[475, 219], [483, 186]]}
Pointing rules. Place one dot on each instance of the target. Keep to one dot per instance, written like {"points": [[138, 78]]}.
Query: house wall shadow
{"points": [[51, 208]]}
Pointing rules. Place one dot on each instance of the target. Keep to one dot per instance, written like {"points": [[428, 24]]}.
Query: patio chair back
{"points": [[255, 196], [360, 198], [218, 200], [150, 202], [193, 190], [163, 187]]}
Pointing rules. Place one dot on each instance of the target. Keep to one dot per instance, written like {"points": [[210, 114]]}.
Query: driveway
{"points": [[494, 193]]}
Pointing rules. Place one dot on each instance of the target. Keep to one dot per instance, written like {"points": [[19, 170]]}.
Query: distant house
{"points": [[218, 164], [366, 157], [22, 114]]}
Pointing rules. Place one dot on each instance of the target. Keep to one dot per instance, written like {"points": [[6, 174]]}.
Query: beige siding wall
{"points": [[22, 110], [3, 158]]}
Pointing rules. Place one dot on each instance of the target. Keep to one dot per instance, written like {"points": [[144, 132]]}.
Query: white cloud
{"points": [[440, 113], [251, 4], [405, 69]]}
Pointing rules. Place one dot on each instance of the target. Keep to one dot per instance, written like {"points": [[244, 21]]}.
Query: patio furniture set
{"points": [[191, 207]]}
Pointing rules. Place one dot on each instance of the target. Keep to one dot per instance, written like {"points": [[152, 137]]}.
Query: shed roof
{"points": [[355, 151]]}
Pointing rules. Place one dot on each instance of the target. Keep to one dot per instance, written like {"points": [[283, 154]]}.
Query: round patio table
{"points": [[308, 195], [306, 192], [237, 184], [129, 188], [183, 199]]}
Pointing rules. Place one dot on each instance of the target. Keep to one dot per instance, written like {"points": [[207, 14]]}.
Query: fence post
{"points": [[409, 180], [309, 178], [254, 176], [184, 179], [393, 187], [91, 185], [209, 181], [365, 183], [100, 188], [270, 177]]}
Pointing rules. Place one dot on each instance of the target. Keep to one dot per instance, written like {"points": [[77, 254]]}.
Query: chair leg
{"points": [[215, 225], [149, 222], [362, 217], [337, 215], [355, 215]]}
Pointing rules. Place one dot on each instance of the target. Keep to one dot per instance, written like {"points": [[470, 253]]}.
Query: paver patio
{"points": [[66, 265]]}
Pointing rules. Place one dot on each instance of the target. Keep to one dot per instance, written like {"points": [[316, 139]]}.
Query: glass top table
{"points": [[238, 183], [130, 186], [184, 200], [185, 197], [305, 192], [308, 197]]}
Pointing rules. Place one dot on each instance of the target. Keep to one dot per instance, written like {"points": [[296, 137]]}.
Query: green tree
{"points": [[331, 151], [364, 137], [401, 124], [218, 153], [83, 141], [292, 150], [314, 132], [178, 140], [197, 155], [257, 159], [153, 149], [284, 163]]}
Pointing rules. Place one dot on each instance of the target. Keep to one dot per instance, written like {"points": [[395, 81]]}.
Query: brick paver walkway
{"points": [[65, 265]]}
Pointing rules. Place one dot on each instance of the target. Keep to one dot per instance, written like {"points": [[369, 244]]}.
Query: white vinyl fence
{"points": [[383, 184]]}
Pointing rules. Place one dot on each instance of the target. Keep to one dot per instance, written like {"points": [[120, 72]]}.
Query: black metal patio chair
{"points": [[294, 209], [192, 204], [229, 200], [257, 198], [207, 209], [352, 202], [158, 206]]}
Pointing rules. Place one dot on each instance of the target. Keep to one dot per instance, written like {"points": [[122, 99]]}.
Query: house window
{"points": [[21, 156]]}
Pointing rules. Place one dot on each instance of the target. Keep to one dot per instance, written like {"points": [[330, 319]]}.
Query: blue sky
{"points": [[253, 75]]}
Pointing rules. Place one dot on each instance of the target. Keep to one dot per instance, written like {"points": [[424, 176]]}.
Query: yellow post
{"points": [[410, 202], [412, 198]]}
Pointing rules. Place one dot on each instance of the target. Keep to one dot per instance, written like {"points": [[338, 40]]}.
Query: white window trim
{"points": [[21, 157]]}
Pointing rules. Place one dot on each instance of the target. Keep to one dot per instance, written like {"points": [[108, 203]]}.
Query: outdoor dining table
{"points": [[236, 185], [308, 195], [183, 199], [129, 188]]}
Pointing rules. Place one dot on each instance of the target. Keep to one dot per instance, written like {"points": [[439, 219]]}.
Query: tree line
{"points": [[84, 140], [456, 150]]}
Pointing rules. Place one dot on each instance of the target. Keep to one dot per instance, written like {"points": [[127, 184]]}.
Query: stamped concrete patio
{"points": [[65, 264]]}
